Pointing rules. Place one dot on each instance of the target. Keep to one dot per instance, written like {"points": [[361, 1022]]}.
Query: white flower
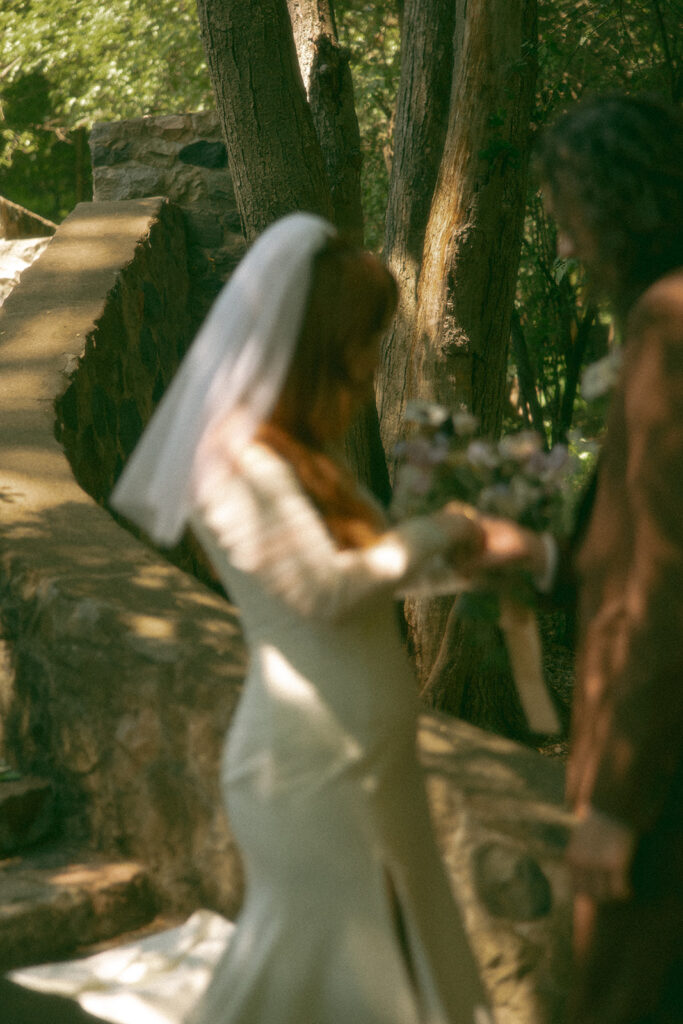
{"points": [[483, 453], [525, 494], [426, 414], [600, 377], [520, 446], [548, 466], [465, 423], [498, 500], [422, 451]]}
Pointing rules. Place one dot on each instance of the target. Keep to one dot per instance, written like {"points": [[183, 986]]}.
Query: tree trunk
{"points": [[421, 121], [471, 675], [472, 243], [466, 291], [326, 75], [574, 361], [274, 156], [275, 151]]}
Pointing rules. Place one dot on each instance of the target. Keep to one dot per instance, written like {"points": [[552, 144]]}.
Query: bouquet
{"points": [[513, 478]]}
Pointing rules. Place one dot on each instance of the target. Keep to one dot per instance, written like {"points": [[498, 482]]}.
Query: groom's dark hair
{"points": [[616, 161]]}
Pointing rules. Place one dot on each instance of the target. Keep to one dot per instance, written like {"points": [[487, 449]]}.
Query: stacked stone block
{"points": [[183, 157]]}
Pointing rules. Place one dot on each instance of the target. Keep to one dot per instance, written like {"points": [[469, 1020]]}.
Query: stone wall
{"points": [[183, 157], [128, 358], [118, 672]]}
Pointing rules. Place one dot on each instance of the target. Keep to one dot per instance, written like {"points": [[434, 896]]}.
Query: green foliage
{"points": [[596, 45], [584, 47], [560, 329], [370, 31], [99, 60], [65, 65]]}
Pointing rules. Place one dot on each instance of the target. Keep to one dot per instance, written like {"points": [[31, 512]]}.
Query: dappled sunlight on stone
{"points": [[154, 577], [152, 627], [34, 472], [122, 671], [433, 743], [492, 773], [91, 874]]}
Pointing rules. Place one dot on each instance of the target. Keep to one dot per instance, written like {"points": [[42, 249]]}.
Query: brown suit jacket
{"points": [[628, 712], [627, 750]]}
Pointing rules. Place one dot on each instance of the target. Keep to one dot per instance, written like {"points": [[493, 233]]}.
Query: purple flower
{"points": [[422, 451], [464, 423], [426, 414], [483, 453], [520, 447], [548, 466]]}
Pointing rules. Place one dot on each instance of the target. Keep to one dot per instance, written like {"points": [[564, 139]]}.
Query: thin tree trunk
{"points": [[467, 282], [420, 130], [472, 243], [574, 363], [471, 676], [526, 375], [327, 79], [274, 156], [326, 75], [275, 152]]}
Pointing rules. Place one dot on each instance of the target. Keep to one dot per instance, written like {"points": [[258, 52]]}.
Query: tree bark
{"points": [[326, 76], [466, 289], [422, 110], [472, 242], [471, 676], [327, 80], [574, 361], [275, 151], [274, 156]]}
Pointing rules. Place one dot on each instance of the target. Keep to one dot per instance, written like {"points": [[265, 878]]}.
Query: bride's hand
{"points": [[462, 523], [507, 547]]}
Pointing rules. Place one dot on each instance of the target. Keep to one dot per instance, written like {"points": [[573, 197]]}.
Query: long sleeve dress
{"points": [[320, 774], [348, 917], [321, 778]]}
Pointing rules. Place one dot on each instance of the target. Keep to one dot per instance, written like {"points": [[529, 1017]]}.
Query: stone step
{"points": [[26, 813], [20, 1005], [56, 902]]}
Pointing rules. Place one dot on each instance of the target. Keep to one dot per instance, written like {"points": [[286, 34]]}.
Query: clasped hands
{"points": [[490, 548], [601, 848]]}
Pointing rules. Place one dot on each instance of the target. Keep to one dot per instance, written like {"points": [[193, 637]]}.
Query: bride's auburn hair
{"points": [[351, 300]]}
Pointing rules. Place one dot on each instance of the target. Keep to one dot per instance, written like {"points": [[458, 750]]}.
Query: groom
{"points": [[612, 172]]}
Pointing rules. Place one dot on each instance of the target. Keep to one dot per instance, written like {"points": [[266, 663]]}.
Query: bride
{"points": [[348, 917]]}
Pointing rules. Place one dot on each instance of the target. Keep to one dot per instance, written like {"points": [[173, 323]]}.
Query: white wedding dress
{"points": [[321, 781]]}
